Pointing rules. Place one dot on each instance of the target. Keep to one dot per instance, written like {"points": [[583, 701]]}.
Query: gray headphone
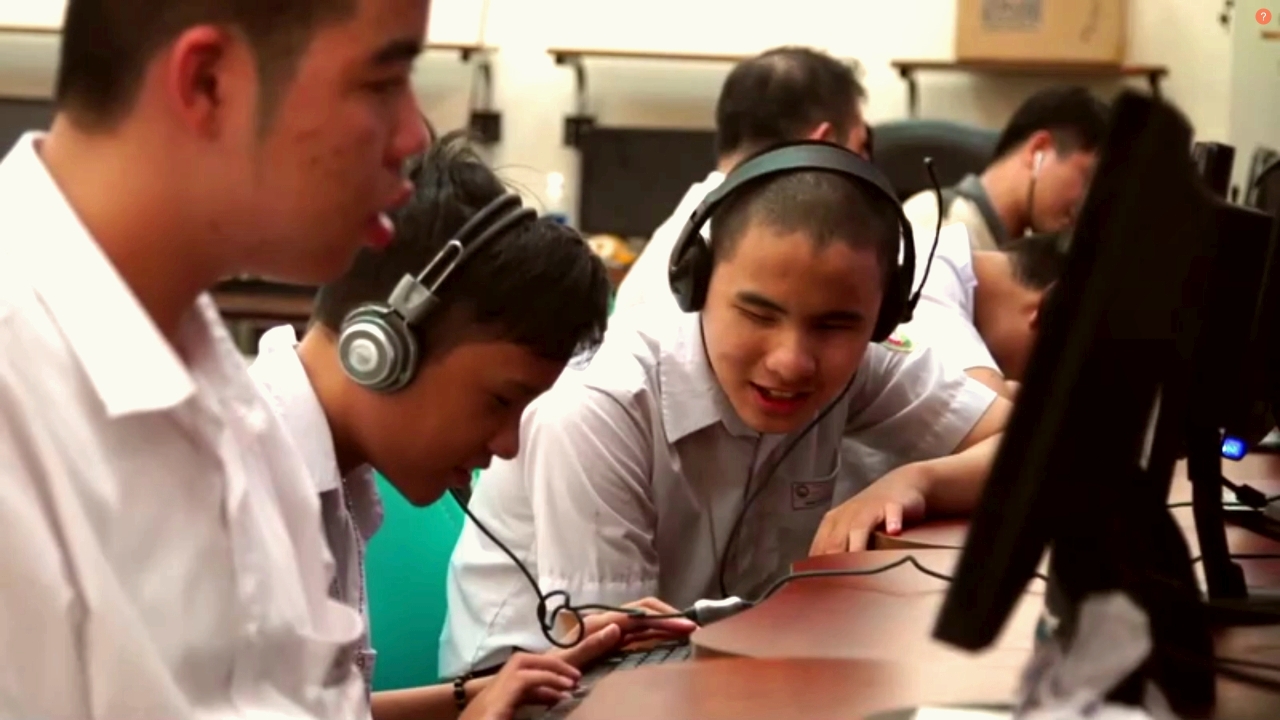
{"points": [[377, 344]]}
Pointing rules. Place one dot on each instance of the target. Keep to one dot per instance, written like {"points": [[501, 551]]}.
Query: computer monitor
{"points": [[1214, 162], [1084, 467]]}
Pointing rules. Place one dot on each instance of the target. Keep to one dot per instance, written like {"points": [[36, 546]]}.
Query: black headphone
{"points": [[377, 345], [692, 259]]}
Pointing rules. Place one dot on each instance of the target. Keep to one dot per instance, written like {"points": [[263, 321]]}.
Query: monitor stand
{"points": [[1230, 602], [1256, 521]]}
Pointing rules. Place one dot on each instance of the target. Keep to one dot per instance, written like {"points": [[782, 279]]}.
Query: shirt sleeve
{"points": [[587, 459], [575, 506], [43, 619], [907, 406], [944, 327]]}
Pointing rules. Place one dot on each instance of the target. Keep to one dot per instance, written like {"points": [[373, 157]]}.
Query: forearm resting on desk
{"points": [[953, 484], [948, 485]]}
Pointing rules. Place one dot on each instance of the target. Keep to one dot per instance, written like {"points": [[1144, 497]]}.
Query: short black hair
{"points": [[826, 206], [782, 94], [1038, 260], [539, 285], [1075, 118], [107, 44]]}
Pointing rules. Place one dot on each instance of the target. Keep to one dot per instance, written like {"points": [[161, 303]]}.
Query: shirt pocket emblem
{"points": [[812, 494]]}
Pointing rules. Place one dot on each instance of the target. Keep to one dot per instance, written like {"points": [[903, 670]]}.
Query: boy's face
{"points": [[310, 189], [1060, 188], [787, 323], [461, 410]]}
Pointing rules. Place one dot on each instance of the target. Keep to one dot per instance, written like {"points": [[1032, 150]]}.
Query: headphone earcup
{"points": [[377, 349], [893, 307], [690, 272]]}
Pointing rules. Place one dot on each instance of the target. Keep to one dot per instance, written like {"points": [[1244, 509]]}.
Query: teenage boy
{"points": [[781, 95], [508, 321], [718, 434], [980, 309], [1042, 166], [163, 553]]}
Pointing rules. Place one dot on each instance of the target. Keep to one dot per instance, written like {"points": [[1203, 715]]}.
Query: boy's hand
{"points": [[890, 501], [528, 679], [632, 629]]}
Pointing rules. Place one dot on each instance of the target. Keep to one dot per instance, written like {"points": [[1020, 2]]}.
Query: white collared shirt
{"points": [[350, 508], [632, 472], [944, 318], [646, 284], [163, 556]]}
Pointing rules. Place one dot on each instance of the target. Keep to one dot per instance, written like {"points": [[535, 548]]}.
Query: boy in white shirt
{"points": [[980, 309], [701, 453], [162, 551], [508, 319], [1040, 171]]}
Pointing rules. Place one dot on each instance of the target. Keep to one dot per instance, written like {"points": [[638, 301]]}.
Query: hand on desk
{"points": [[635, 628], [890, 501], [528, 679]]}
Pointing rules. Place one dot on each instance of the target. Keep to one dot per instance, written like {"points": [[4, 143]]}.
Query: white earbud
{"points": [[1039, 160]]}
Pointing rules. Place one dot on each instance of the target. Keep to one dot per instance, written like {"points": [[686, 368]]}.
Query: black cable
{"points": [[937, 231], [858, 572], [737, 523], [548, 623]]}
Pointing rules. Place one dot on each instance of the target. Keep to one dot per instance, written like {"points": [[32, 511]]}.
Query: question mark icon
{"points": [[1263, 16]]}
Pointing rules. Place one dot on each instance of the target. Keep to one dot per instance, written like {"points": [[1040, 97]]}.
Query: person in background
{"points": [[701, 453], [981, 308], [780, 95], [1042, 166], [509, 319], [163, 551]]}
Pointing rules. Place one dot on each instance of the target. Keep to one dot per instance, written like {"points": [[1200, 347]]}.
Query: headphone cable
{"points": [[937, 235], [547, 622]]}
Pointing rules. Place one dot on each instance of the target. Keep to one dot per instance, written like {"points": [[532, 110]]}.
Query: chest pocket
{"points": [[779, 527]]}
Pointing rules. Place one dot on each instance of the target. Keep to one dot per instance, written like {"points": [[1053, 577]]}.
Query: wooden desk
{"points": [[883, 617], [848, 647], [1261, 470], [745, 689]]}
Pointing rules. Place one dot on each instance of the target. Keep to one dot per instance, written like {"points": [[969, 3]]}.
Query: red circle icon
{"points": [[1263, 16]]}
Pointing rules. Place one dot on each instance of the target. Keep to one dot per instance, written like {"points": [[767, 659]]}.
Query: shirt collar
{"points": [[128, 362], [691, 397], [283, 380]]}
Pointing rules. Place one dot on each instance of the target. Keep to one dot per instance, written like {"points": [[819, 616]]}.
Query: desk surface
{"points": [[848, 647], [811, 617], [743, 689], [1261, 470]]}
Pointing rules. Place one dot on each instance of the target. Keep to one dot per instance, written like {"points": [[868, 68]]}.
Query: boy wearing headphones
{"points": [[506, 299], [699, 454], [980, 308], [1038, 176]]}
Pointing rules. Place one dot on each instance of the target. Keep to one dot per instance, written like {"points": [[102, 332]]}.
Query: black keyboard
{"points": [[658, 654]]}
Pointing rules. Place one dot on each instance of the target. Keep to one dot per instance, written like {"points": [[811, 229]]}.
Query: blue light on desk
{"points": [[1233, 448]]}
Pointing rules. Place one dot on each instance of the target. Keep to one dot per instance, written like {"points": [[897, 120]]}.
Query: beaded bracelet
{"points": [[460, 692]]}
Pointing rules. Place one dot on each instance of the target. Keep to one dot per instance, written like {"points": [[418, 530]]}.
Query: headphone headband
{"points": [[378, 345], [691, 262]]}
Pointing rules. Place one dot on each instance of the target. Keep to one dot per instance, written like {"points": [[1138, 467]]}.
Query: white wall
{"points": [[534, 94], [1254, 117]]}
